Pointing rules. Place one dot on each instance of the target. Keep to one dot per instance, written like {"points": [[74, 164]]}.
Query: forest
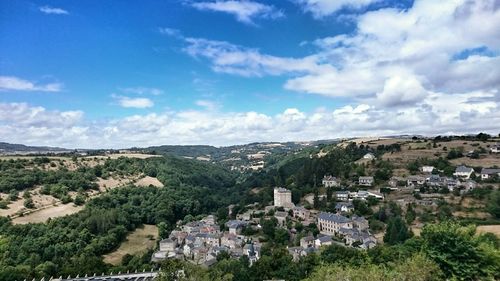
{"points": [[74, 244]]}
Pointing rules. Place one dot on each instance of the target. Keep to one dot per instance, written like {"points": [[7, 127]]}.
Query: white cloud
{"points": [[244, 10], [414, 48], [129, 102], [322, 8], [53, 11], [233, 59], [170, 32], [400, 90], [207, 104], [11, 83], [143, 91], [437, 113]]}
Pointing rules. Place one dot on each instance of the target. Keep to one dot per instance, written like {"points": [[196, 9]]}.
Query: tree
{"points": [[361, 208], [343, 255], [410, 214], [416, 268], [397, 231], [493, 204], [162, 230], [281, 236], [28, 203], [459, 253], [79, 199], [13, 195], [269, 227]]}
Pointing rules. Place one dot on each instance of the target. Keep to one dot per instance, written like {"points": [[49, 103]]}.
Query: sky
{"points": [[117, 74]]}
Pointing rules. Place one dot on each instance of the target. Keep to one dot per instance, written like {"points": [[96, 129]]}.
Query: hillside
{"points": [[108, 212], [9, 148]]}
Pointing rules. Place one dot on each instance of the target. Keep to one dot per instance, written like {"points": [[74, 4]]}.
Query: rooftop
{"points": [[333, 217]]}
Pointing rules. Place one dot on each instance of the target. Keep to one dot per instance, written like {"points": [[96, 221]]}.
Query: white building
{"points": [[330, 181], [487, 173], [369, 156], [330, 224], [495, 148], [366, 181], [283, 198], [427, 169], [463, 172]]}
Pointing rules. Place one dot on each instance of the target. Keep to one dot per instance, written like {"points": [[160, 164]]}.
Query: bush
{"points": [[28, 203]]}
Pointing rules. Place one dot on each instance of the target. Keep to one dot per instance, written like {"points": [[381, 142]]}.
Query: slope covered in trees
{"points": [[74, 244]]}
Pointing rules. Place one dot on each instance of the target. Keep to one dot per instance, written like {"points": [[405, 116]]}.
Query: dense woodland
{"points": [[74, 244]]}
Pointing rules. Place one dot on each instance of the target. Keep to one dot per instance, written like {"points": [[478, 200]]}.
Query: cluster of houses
{"points": [[462, 178], [354, 230], [336, 229], [201, 241], [331, 181]]}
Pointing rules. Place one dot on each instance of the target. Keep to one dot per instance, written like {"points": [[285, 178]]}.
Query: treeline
{"points": [[22, 174], [15, 176]]}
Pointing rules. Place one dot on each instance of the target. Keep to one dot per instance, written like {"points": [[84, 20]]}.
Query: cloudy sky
{"points": [[100, 74]]}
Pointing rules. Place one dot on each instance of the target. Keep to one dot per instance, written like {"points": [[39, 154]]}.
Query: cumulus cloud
{"points": [[12, 83], [394, 57], [400, 90], [35, 125], [129, 102], [322, 8], [438, 113], [245, 11], [53, 11], [233, 59]]}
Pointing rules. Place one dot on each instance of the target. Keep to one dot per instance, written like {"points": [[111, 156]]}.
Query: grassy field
{"points": [[137, 242], [147, 181], [495, 229], [42, 215], [129, 155]]}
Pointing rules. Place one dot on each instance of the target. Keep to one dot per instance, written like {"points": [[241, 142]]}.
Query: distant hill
{"points": [[10, 148]]}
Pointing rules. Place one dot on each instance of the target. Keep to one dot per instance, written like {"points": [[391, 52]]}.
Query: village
{"points": [[200, 242]]}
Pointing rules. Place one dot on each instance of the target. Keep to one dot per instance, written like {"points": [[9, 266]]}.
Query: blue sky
{"points": [[220, 72]]}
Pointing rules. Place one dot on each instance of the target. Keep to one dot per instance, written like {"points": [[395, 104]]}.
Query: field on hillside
{"points": [[147, 181], [413, 150], [138, 241], [128, 155], [495, 229], [44, 214]]}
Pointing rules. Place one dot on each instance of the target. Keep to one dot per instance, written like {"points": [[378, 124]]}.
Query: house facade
{"points": [[283, 198], [463, 172], [427, 169], [301, 213], [487, 173], [330, 181], [366, 181], [330, 224]]}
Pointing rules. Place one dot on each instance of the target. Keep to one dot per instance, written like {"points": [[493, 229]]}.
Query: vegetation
{"points": [[75, 244]]}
